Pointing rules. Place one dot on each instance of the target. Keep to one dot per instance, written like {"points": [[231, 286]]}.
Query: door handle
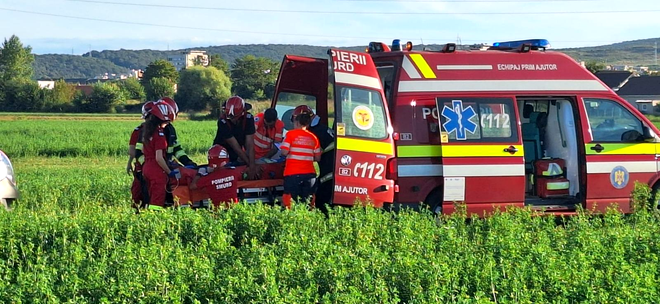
{"points": [[511, 149], [598, 148]]}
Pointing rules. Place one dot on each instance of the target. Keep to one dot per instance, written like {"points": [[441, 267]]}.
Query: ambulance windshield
{"points": [[362, 113]]}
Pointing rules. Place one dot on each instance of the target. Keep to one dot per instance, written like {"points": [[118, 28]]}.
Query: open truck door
{"points": [[365, 164], [364, 149]]}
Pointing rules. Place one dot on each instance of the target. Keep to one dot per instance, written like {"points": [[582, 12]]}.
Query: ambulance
{"points": [[514, 125]]}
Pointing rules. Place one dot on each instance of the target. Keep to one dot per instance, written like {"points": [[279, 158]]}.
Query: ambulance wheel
{"points": [[434, 202], [655, 196]]}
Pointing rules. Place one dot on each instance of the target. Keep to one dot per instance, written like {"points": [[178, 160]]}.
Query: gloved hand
{"points": [[192, 166], [175, 173]]}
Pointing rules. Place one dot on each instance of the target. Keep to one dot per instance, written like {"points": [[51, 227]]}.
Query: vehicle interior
{"points": [[550, 144]]}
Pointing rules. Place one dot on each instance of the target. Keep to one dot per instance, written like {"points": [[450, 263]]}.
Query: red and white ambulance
{"points": [[514, 125]]}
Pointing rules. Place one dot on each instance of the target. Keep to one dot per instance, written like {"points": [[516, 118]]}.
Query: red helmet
{"points": [[146, 108], [234, 107], [302, 109], [172, 104], [162, 111], [218, 156]]}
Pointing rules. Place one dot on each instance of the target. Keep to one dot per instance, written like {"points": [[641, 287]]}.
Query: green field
{"points": [[73, 238]]}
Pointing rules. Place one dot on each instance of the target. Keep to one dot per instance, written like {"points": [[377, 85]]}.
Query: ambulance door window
{"points": [[362, 113], [287, 102], [478, 119], [611, 122]]}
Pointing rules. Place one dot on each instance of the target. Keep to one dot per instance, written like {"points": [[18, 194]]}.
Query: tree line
{"points": [[196, 88]]}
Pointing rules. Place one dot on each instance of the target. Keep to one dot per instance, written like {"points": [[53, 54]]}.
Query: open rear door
{"points": [[302, 80], [364, 162]]}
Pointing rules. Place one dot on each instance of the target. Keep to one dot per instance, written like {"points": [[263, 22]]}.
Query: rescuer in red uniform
{"points": [[174, 149], [301, 149], [155, 169], [139, 192], [219, 182]]}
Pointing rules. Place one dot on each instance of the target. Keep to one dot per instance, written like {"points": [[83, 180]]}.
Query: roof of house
{"points": [[642, 85], [613, 79]]}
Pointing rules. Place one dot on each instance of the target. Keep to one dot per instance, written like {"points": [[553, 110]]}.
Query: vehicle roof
{"points": [[492, 70]]}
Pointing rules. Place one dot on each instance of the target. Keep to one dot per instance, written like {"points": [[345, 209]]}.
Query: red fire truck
{"points": [[514, 125]]}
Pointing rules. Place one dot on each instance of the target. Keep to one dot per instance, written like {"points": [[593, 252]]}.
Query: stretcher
{"points": [[265, 190]]}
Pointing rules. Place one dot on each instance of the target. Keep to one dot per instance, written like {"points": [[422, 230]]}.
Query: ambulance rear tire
{"points": [[434, 202]]}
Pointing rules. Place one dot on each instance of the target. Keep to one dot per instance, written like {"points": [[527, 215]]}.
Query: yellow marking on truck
{"points": [[423, 66]]}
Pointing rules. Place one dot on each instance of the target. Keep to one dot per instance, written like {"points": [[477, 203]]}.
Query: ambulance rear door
{"points": [[301, 81], [364, 162]]}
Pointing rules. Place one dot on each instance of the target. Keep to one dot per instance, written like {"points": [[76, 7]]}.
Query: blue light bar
{"points": [[396, 45], [534, 43]]}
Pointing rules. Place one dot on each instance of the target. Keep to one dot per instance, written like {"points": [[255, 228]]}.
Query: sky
{"points": [[78, 26]]}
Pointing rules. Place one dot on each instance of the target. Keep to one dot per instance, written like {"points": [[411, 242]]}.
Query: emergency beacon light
{"points": [[534, 44], [377, 47], [396, 45]]}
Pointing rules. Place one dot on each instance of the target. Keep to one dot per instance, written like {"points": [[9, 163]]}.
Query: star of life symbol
{"points": [[458, 119]]}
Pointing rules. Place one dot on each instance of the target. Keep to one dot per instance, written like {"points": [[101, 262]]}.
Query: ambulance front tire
{"points": [[655, 195], [434, 202]]}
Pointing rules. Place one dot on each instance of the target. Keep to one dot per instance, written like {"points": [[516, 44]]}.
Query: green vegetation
{"points": [[253, 77], [202, 88], [58, 66], [90, 138], [73, 238]]}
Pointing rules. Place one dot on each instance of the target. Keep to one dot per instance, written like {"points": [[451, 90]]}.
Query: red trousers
{"points": [[157, 183]]}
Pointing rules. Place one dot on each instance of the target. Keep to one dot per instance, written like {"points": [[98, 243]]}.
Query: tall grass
{"points": [[73, 238], [89, 138]]}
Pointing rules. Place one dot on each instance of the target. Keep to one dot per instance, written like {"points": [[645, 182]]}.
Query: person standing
{"points": [[139, 193], [156, 170], [301, 149], [326, 139], [236, 133]]}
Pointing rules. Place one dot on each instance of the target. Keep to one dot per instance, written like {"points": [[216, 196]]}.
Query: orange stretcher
{"points": [[271, 180]]}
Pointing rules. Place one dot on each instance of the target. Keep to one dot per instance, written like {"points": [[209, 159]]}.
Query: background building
{"points": [[188, 58]]}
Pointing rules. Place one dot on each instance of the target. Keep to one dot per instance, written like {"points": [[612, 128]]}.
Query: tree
{"points": [[200, 88], [21, 95], [251, 76], [160, 87], [15, 60], [60, 98], [158, 69], [105, 95], [594, 66], [217, 62], [133, 89]]}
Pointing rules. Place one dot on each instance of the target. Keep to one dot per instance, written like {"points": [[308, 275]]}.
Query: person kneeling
{"points": [[219, 182]]}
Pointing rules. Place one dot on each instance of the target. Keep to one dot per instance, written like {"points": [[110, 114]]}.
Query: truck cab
{"points": [[346, 94]]}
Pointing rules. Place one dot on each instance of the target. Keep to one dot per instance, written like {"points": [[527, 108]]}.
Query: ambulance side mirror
{"points": [[648, 134]]}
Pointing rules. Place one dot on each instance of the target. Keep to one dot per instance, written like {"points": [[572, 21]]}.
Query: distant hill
{"points": [[638, 52]]}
